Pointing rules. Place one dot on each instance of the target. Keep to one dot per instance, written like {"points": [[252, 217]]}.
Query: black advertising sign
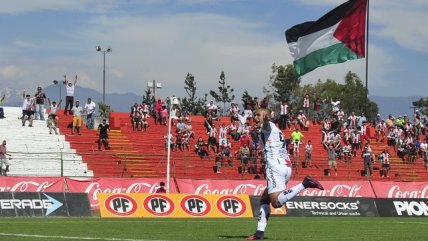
{"points": [[32, 204], [402, 207], [331, 206], [325, 206]]}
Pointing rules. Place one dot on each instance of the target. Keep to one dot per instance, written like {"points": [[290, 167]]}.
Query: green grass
{"points": [[279, 228]]}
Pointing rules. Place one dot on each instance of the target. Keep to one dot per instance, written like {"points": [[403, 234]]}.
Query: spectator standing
{"points": [[27, 109], [332, 159], [40, 104], [367, 156], [4, 161], [69, 99], [317, 111], [335, 105], [1, 106], [77, 111], [308, 154], [50, 122], [306, 105], [158, 112], [244, 155], [53, 108], [284, 120], [90, 108], [103, 128], [384, 157]]}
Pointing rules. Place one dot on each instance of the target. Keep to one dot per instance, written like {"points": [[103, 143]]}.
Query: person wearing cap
{"points": [[40, 104], [69, 99]]}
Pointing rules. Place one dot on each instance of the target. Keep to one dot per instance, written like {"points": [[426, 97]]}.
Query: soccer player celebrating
{"points": [[278, 172]]}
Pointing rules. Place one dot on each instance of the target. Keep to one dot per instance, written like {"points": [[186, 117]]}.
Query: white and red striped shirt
{"points": [[284, 109], [306, 102]]}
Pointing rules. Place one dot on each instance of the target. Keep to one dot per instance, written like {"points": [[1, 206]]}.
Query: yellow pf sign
{"points": [[174, 205]]}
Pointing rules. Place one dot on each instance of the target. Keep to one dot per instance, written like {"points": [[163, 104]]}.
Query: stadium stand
{"points": [[35, 152], [143, 154]]}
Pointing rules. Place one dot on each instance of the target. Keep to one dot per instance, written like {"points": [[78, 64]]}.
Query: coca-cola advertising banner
{"points": [[256, 187], [401, 189], [32, 184], [93, 186]]}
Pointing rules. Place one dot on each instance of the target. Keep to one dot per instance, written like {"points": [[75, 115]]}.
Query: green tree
{"points": [[284, 82], [188, 103], [224, 92], [422, 105], [147, 97], [104, 110]]}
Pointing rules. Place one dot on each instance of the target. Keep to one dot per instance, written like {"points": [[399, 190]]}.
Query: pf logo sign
{"points": [[121, 205], [231, 206], [159, 205], [195, 205]]}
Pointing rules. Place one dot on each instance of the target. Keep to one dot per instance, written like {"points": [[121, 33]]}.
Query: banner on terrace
{"points": [[32, 184], [256, 187], [93, 186]]}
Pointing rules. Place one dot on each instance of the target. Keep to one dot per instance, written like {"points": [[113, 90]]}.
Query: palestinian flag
{"points": [[335, 38]]}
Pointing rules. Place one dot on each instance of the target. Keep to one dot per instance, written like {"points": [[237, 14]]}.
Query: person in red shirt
{"points": [[245, 139], [158, 109]]}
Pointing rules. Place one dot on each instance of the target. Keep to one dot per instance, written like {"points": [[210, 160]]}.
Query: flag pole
{"points": [[367, 56]]}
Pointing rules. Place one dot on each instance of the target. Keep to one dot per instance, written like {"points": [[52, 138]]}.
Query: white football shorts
{"points": [[277, 178]]}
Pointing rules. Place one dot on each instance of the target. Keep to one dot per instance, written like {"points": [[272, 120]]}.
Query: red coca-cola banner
{"points": [[93, 186], [32, 184], [401, 189], [256, 187]]}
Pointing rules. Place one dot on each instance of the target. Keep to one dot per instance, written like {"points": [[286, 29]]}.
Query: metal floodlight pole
{"points": [[99, 49], [173, 101]]}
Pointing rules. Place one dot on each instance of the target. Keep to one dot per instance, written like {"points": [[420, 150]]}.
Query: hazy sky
{"points": [[164, 40]]}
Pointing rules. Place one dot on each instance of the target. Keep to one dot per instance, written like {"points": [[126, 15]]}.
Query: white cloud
{"points": [[10, 71], [165, 48]]}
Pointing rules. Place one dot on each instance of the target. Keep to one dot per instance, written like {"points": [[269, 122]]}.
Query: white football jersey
{"points": [[274, 145]]}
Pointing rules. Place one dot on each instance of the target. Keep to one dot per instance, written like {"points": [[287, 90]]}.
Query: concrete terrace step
{"points": [[35, 152]]}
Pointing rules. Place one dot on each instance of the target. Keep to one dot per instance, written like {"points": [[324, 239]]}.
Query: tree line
{"points": [[283, 85]]}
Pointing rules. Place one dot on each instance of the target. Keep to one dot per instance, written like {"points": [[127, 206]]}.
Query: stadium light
{"points": [[173, 102], [154, 85], [99, 49]]}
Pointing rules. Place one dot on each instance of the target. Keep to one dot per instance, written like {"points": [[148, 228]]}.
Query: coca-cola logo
{"points": [[397, 192], [244, 188], [335, 191], [137, 187], [29, 186]]}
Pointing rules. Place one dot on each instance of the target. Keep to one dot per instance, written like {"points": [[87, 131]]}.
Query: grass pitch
{"points": [[279, 228]]}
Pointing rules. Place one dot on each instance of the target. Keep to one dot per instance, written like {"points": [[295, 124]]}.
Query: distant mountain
{"points": [[395, 105], [118, 102], [122, 102]]}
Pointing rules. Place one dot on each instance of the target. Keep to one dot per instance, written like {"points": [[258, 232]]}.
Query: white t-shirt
{"points": [[335, 106], [274, 146], [53, 109], [90, 107], [77, 111], [70, 90]]}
